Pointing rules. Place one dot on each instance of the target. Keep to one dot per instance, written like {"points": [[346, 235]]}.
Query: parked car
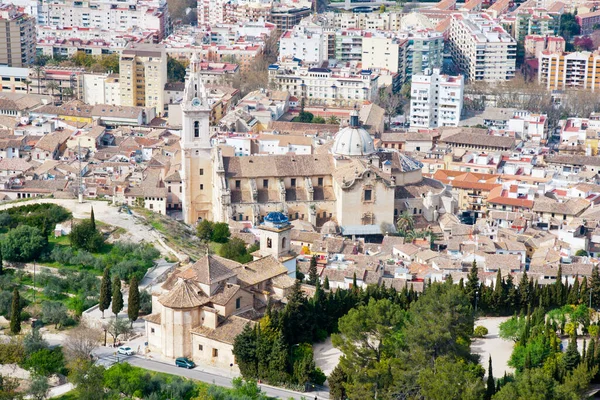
{"points": [[184, 363], [128, 351]]}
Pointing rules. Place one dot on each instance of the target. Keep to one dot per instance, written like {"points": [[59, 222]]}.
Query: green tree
{"points": [[244, 350], [531, 384], [117, 327], [571, 357], [235, 249], [15, 313], [34, 341], [38, 388], [93, 219], [117, 296], [472, 285], [1, 262], [333, 120], [491, 383], [581, 253], [451, 379], [318, 120], [84, 235], [87, 378], [305, 117], [9, 388], [220, 233], [175, 70], [364, 340], [133, 301], [337, 379], [204, 230], [595, 287], [326, 283], [313, 276], [46, 362], [105, 291], [23, 243], [54, 312]]}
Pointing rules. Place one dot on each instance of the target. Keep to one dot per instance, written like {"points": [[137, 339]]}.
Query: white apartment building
{"points": [[481, 48], [387, 21], [305, 43], [384, 50], [436, 100], [340, 85], [425, 49], [101, 89]]}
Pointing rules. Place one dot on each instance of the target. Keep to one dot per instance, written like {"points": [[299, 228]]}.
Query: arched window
{"points": [[269, 243], [415, 210], [283, 243], [196, 129]]}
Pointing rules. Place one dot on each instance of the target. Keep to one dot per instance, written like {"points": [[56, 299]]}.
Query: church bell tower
{"points": [[196, 165]]}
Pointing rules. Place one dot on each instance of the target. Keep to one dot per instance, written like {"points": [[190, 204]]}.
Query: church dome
{"points": [[276, 219], [329, 228], [353, 140]]}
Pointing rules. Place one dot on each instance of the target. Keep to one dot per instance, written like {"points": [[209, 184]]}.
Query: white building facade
{"points": [[436, 100]]}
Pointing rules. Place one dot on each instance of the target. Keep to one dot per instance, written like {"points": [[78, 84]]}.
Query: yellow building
{"points": [[578, 70], [142, 76]]}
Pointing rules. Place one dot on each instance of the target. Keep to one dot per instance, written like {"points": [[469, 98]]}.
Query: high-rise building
{"points": [[17, 37], [436, 100], [481, 48], [142, 76], [577, 70]]}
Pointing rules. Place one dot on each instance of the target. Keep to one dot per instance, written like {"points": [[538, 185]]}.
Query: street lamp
{"points": [[476, 295]]}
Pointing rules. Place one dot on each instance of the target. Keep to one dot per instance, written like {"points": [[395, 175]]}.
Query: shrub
{"points": [[46, 362], [480, 331], [84, 235], [24, 243], [220, 233]]}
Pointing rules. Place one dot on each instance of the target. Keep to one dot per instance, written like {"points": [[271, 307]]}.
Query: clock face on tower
{"points": [[195, 102]]}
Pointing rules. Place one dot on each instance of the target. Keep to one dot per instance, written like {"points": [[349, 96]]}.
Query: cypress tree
{"points": [[574, 292], [326, 283], [595, 287], [472, 283], [313, 276], [583, 354], [498, 295], [591, 354], [524, 291], [571, 357], [354, 284], [15, 313], [559, 288], [105, 292], [584, 292], [93, 219], [1, 263], [491, 386], [117, 296], [133, 301]]}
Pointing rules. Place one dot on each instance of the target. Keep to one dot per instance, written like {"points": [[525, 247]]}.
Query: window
{"points": [[200, 347], [283, 243], [215, 353], [196, 129], [169, 189], [151, 206], [320, 182], [238, 303], [269, 243], [201, 171], [265, 183], [238, 184], [201, 186], [293, 182], [151, 330], [368, 195]]}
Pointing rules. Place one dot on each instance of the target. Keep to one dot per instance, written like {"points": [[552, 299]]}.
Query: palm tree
{"points": [[405, 222], [39, 71], [52, 86], [333, 120], [68, 93], [27, 82]]}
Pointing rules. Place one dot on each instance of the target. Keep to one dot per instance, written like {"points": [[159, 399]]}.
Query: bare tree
{"points": [[82, 341], [117, 327], [390, 102]]}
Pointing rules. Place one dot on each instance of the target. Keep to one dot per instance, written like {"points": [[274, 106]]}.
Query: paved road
{"points": [[203, 376]]}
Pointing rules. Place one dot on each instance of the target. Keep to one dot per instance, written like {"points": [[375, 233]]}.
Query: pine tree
{"points": [[313, 276], [133, 301], [93, 219], [512, 296], [491, 386], [336, 380], [117, 296], [472, 283], [278, 364], [571, 357], [573, 297], [15, 313], [105, 292], [591, 354], [326, 283]]}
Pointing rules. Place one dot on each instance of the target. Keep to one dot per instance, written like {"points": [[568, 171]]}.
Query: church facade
{"points": [[347, 181]]}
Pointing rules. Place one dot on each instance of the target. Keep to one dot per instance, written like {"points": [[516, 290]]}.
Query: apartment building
{"points": [[589, 22], [384, 50], [101, 89], [536, 44], [105, 14], [436, 100], [17, 37], [425, 49], [481, 48], [14, 79], [305, 43], [535, 21], [142, 76], [577, 70], [342, 84]]}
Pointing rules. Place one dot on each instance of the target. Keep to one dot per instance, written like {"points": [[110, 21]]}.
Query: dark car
{"points": [[184, 363]]}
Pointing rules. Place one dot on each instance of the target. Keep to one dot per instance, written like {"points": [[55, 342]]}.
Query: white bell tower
{"points": [[196, 166]]}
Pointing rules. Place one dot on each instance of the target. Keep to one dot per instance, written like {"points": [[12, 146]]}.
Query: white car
{"points": [[128, 351]]}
